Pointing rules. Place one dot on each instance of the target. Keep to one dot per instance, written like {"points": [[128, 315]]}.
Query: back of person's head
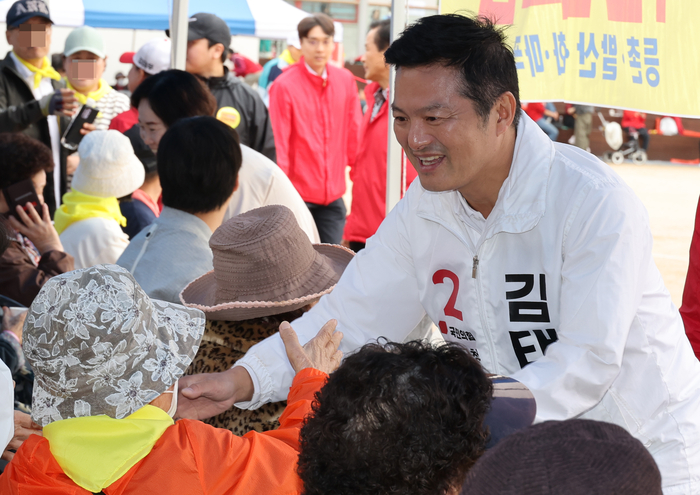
{"points": [[574, 457], [174, 95], [321, 20], [396, 418], [473, 46], [198, 163], [382, 38], [22, 157]]}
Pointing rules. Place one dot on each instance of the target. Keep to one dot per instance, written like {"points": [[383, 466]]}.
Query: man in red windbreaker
{"points": [[315, 113], [369, 172], [690, 310]]}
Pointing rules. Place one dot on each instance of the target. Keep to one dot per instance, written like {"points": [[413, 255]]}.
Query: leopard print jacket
{"points": [[224, 343]]}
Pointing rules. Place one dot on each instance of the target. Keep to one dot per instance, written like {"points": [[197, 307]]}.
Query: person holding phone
{"points": [[33, 99], [35, 253]]}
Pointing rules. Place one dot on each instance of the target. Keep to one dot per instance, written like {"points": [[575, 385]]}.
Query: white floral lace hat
{"points": [[99, 345]]}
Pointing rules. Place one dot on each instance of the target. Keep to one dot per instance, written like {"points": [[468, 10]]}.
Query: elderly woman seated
{"points": [[107, 361]]}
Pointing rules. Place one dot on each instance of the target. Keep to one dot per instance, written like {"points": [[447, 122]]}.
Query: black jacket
{"points": [[20, 112], [255, 129]]}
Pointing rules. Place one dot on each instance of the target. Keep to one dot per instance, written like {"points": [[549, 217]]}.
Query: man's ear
{"points": [[217, 50], [505, 108]]}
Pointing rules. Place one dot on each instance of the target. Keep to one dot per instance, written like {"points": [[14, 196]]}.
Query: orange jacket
{"points": [[190, 458]]}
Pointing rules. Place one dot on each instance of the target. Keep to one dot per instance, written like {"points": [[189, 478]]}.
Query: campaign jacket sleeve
{"points": [[281, 115], [606, 252], [690, 310], [354, 117], [378, 295], [16, 118]]}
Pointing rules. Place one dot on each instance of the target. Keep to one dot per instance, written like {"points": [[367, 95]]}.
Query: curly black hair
{"points": [[396, 419], [22, 158]]}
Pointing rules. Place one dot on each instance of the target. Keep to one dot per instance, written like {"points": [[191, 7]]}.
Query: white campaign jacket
{"points": [[560, 291]]}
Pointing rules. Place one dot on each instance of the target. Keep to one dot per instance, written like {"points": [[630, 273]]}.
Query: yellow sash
{"points": [[39, 73], [78, 206], [95, 451], [102, 89]]}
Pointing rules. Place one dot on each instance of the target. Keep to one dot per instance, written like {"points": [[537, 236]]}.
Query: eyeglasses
{"points": [[315, 42]]}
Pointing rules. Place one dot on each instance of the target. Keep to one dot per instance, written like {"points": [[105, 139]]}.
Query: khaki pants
{"points": [[582, 128]]}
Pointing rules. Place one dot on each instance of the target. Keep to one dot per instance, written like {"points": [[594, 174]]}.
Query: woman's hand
{"points": [[37, 229]]}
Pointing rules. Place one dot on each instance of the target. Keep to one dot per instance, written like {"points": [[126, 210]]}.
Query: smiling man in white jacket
{"points": [[534, 255]]}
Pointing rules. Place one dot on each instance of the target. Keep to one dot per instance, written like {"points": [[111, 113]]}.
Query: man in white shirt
{"points": [[534, 255]]}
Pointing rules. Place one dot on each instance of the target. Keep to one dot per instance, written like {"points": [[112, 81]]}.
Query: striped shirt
{"points": [[110, 105]]}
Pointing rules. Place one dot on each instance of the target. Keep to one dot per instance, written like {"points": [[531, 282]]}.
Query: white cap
{"points": [[293, 40], [108, 166], [154, 56]]}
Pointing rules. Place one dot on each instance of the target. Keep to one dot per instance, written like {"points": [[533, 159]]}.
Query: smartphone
{"points": [[20, 194], [72, 137]]}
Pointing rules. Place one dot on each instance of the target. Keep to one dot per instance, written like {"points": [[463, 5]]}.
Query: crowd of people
{"points": [[188, 308]]}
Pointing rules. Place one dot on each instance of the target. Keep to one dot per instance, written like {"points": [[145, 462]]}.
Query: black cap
{"points": [[207, 26], [141, 149], [23, 10]]}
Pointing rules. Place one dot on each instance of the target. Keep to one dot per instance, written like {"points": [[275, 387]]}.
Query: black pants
{"points": [[643, 136], [330, 220]]}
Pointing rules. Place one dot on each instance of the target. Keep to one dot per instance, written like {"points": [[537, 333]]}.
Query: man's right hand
{"points": [[60, 102], [208, 394]]}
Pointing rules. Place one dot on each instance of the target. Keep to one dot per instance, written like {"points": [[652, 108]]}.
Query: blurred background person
{"points": [[634, 124], [208, 41], [33, 99], [368, 173], [273, 68], [543, 114], [315, 113]]}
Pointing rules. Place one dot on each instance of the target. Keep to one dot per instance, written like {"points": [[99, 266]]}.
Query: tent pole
{"points": [[362, 25], [399, 20], [178, 34]]}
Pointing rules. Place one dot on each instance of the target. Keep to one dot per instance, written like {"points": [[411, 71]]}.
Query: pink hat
{"points": [[264, 265]]}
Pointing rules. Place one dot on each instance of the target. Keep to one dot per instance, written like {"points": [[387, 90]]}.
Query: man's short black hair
{"points": [[382, 38], [175, 94], [22, 157], [396, 418], [473, 45], [319, 19], [198, 163]]}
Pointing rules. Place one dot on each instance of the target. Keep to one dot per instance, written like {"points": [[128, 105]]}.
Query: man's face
{"points": [[317, 48], [446, 141], [200, 56], [31, 39], [136, 77], [84, 70], [373, 59], [152, 128]]}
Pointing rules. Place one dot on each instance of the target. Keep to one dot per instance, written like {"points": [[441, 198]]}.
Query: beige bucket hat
{"points": [[264, 265]]}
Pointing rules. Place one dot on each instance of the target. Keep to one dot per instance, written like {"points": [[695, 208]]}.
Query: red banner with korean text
{"points": [[629, 54]]}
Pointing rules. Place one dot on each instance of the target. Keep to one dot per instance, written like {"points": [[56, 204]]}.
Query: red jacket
{"points": [[636, 120], [125, 120], [315, 123], [369, 173], [534, 110], [690, 310], [190, 458]]}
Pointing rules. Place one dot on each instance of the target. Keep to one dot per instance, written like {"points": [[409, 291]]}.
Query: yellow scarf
{"points": [[39, 73], [78, 206], [102, 89], [95, 451], [287, 57]]}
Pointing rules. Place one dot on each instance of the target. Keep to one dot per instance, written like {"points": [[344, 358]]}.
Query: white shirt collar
{"points": [[325, 70]]}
